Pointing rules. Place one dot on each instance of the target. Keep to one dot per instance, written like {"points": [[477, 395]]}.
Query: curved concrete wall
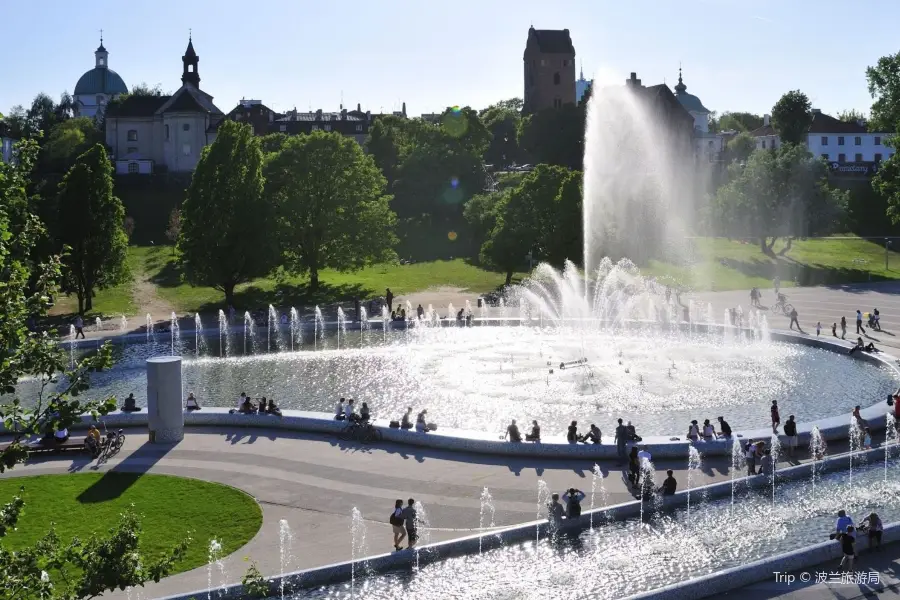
{"points": [[719, 582]]}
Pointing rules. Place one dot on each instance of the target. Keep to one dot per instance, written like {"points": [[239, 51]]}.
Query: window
{"points": [[824, 140], [842, 158], [557, 103], [282, 127], [764, 144], [327, 128], [858, 157], [857, 141], [556, 78], [825, 156], [877, 157], [132, 135], [565, 63], [101, 62], [840, 140], [186, 149], [877, 140], [186, 127], [359, 127], [132, 168], [167, 132], [132, 150]]}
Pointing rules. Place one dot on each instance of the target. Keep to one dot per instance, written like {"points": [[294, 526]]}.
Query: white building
{"points": [[848, 147], [146, 132], [98, 86], [708, 146]]}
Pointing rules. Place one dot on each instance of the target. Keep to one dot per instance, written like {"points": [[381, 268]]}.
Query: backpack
{"points": [[395, 519]]}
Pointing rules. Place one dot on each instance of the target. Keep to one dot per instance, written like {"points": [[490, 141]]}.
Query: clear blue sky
{"points": [[737, 54]]}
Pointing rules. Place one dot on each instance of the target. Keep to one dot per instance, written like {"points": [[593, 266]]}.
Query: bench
{"points": [[49, 447]]}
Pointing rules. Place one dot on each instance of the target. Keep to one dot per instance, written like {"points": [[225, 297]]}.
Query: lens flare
{"points": [[451, 236]]}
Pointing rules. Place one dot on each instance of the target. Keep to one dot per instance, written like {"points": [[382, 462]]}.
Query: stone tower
{"points": [[549, 62]]}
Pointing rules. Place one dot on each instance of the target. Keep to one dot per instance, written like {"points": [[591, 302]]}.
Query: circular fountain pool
{"points": [[480, 377]]}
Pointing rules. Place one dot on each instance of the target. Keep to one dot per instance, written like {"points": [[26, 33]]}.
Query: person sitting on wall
{"points": [[364, 415], [512, 432], [421, 425], [593, 435], [247, 407], [272, 409], [92, 441], [724, 428], [406, 421], [535, 435], [191, 402], [631, 433], [130, 404], [263, 406], [669, 484]]}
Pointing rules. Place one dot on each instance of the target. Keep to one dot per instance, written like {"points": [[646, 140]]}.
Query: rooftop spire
{"points": [[101, 48]]}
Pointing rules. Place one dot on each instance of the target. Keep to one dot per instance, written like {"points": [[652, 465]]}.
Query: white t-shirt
{"points": [[339, 408], [348, 410], [191, 402], [707, 431], [693, 431], [240, 401]]}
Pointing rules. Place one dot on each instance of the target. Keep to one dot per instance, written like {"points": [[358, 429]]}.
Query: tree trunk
{"points": [[80, 302], [313, 278], [766, 247], [228, 288], [787, 247], [509, 275], [88, 302]]}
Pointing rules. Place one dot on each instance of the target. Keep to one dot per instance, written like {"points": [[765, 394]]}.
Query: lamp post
{"points": [[887, 244]]}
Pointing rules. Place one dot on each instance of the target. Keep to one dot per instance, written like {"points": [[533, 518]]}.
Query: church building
{"points": [[707, 146], [549, 62], [98, 86], [146, 133]]}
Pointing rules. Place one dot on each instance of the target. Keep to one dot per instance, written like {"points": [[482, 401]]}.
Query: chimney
{"points": [[633, 80], [368, 115], [817, 111], [358, 107], [343, 113], [766, 119], [404, 109]]}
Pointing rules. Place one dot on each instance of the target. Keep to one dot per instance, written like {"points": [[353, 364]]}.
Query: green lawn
{"points": [[117, 300], [170, 509], [720, 264]]}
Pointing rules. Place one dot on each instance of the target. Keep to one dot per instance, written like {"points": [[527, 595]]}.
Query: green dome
{"points": [[100, 81], [691, 103]]}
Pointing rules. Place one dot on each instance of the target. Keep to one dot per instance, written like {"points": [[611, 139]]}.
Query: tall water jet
{"points": [[738, 464], [890, 439], [73, 343], [149, 326], [296, 329], [483, 309], [543, 498], [223, 334], [341, 326], [319, 327], [249, 333], [285, 543], [98, 324], [710, 319], [502, 304], [597, 487], [199, 340], [468, 312], [816, 453], [647, 485], [357, 544], [385, 320], [123, 324], [424, 535], [694, 462], [214, 560], [451, 313], [363, 325], [774, 453], [855, 435], [271, 325], [486, 513], [175, 331]]}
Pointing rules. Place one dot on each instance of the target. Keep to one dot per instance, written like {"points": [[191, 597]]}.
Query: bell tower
{"points": [[190, 59]]}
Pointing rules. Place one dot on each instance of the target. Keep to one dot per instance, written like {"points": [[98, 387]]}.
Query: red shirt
{"points": [[897, 408]]}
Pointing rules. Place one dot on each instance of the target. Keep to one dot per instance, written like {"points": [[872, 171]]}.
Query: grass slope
{"points": [[170, 509]]}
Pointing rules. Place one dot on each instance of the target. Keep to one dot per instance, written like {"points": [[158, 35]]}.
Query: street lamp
{"points": [[887, 244]]}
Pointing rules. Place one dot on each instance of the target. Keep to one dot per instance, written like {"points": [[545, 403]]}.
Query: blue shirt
{"points": [[842, 524]]}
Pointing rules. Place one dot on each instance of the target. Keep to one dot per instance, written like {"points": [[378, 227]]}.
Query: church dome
{"points": [[690, 102], [100, 81]]}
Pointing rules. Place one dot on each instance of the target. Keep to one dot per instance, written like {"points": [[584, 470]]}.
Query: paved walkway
{"points": [[313, 482]]}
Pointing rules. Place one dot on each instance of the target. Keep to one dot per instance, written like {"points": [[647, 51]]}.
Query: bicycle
{"points": [[112, 442], [365, 433], [782, 306]]}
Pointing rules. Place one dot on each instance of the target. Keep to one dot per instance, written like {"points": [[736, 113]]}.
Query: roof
{"points": [[137, 106], [325, 116], [822, 123], [189, 53], [188, 98], [552, 41], [100, 80], [185, 103], [690, 102], [763, 131]]}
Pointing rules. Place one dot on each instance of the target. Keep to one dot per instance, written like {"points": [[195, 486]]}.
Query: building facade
{"points": [[145, 133], [670, 112], [549, 70], [707, 146], [98, 86]]}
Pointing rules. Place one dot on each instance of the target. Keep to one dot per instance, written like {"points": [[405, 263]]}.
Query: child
{"points": [[834, 329], [818, 328], [867, 440]]}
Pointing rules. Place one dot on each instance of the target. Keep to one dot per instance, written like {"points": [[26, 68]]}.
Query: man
{"points": [[420, 312], [669, 484], [593, 436], [411, 519], [848, 548], [776, 418], [794, 320], [843, 328], [859, 325], [790, 430], [339, 410], [724, 428], [92, 441], [512, 432], [573, 498], [843, 523], [622, 439], [130, 404], [555, 511], [79, 327], [389, 298], [348, 411]]}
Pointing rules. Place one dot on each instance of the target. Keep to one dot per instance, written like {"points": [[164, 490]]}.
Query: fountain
{"points": [[385, 320], [694, 462], [297, 329], [543, 498], [341, 326], [424, 534], [890, 440], [174, 331], [774, 453], [597, 485], [358, 549], [319, 327], [285, 544], [486, 510], [223, 335], [215, 560], [816, 452], [451, 314], [272, 329], [738, 464], [150, 336], [855, 436], [73, 344], [98, 324], [249, 332], [364, 324], [123, 324], [199, 340]]}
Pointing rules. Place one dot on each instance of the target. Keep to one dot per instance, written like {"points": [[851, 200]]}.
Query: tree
{"points": [[227, 228], [91, 228], [174, 228], [51, 569], [554, 136], [792, 116], [67, 140], [884, 87], [45, 113], [780, 193], [887, 183], [502, 121], [17, 124], [332, 209], [143, 89], [272, 142], [851, 116], [740, 147], [736, 121]]}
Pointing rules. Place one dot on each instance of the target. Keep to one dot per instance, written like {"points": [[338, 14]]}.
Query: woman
{"points": [[191, 402], [634, 467], [273, 410], [364, 413], [396, 521], [873, 525], [421, 426], [693, 433], [535, 435], [572, 435], [750, 457], [709, 432]]}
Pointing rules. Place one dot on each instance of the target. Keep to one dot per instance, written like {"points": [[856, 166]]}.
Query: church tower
{"points": [[101, 56], [190, 59]]}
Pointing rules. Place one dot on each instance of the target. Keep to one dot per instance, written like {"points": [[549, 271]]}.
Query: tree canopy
{"points": [[502, 121], [884, 87], [792, 116], [554, 136], [227, 230], [736, 121], [331, 205]]}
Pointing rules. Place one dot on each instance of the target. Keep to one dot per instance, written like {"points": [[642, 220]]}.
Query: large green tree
{"points": [[782, 193], [227, 226], [66, 141], [887, 183], [792, 116], [884, 87], [554, 136], [502, 121], [51, 568], [331, 205], [90, 228], [736, 121]]}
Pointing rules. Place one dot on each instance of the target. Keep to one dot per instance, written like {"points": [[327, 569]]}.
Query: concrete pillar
{"points": [[164, 409]]}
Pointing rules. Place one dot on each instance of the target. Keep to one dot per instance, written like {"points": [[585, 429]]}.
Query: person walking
{"points": [[396, 521], [776, 418], [411, 519], [389, 298], [79, 327], [621, 441], [848, 547], [818, 328], [843, 327], [859, 321], [794, 319], [790, 430]]}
